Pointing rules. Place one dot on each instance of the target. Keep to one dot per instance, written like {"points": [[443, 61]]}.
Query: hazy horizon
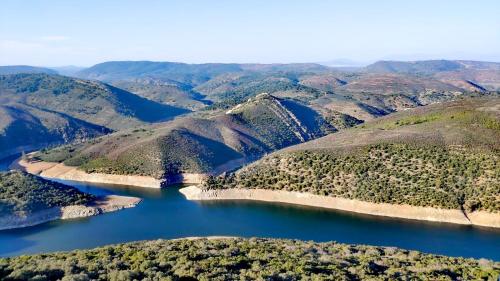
{"points": [[330, 63], [84, 33]]}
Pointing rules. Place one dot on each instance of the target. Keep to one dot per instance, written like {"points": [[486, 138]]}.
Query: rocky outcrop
{"points": [[357, 206], [102, 205]]}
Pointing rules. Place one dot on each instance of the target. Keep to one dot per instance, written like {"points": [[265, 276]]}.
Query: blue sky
{"points": [[85, 32]]}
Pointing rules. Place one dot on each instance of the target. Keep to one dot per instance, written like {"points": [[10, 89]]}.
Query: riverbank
{"points": [[378, 209], [52, 170], [59, 171], [101, 205]]}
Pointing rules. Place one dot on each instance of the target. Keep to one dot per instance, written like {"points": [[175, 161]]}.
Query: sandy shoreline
{"points": [[102, 205], [52, 170], [388, 210], [62, 172]]}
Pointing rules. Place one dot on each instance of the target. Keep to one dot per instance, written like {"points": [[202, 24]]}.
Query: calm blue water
{"points": [[167, 214]]}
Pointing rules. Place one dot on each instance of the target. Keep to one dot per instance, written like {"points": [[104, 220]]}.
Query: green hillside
{"points": [[22, 193], [445, 155], [198, 143], [90, 101], [164, 92], [379, 89], [24, 128], [244, 259]]}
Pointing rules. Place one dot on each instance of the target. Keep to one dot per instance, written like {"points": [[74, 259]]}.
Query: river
{"points": [[167, 214]]}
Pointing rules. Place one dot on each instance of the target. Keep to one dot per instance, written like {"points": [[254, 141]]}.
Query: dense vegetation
{"points": [[244, 259], [22, 193], [446, 156], [383, 173], [280, 122], [249, 86]]}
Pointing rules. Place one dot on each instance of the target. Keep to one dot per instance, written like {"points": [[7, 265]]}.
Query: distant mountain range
{"points": [[15, 69], [68, 70], [429, 66], [113, 96]]}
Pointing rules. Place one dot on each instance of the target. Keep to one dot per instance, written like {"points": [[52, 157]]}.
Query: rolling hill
{"points": [[429, 66], [468, 75], [169, 93], [163, 90], [378, 89], [443, 155], [193, 74], [16, 69], [40, 109], [206, 143], [414, 67], [179, 72], [26, 128], [394, 92], [194, 86], [90, 101]]}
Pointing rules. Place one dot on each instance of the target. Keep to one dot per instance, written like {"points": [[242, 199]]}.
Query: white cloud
{"points": [[53, 38]]}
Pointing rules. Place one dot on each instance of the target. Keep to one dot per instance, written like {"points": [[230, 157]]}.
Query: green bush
{"points": [[244, 259], [397, 173], [22, 193]]}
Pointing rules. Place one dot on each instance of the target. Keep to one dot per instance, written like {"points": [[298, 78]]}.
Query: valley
{"points": [[249, 140], [299, 151]]}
